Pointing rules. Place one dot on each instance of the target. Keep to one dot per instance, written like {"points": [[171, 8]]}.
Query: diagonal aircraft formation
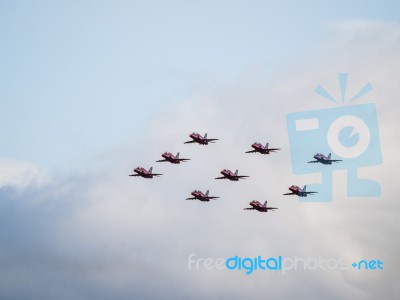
{"points": [[228, 174]]}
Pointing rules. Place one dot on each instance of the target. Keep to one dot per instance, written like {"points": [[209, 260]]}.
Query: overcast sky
{"points": [[92, 90]]}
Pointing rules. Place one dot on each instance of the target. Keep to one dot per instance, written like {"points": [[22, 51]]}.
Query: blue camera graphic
{"points": [[348, 136]]}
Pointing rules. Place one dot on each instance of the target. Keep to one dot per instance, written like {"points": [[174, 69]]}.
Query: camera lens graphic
{"points": [[349, 136]]}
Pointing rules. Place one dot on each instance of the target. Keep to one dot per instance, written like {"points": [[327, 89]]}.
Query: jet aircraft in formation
{"points": [[325, 160], [257, 147], [198, 195], [301, 192], [228, 174], [256, 205], [174, 159], [142, 172], [202, 140]]}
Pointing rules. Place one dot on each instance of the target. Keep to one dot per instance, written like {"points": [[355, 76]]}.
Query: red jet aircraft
{"points": [[262, 149], [202, 140], [197, 195], [142, 172], [260, 207], [228, 174], [325, 160], [295, 190], [172, 158]]}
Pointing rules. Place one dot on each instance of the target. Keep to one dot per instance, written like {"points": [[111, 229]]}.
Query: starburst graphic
{"points": [[349, 132], [343, 85]]}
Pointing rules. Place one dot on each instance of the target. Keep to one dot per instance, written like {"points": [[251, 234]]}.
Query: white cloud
{"points": [[21, 174]]}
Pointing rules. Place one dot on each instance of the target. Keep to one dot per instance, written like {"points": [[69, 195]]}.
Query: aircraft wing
{"points": [[335, 160], [134, 175], [211, 140], [251, 151], [183, 159], [313, 161], [272, 208], [213, 197], [287, 194], [161, 160], [190, 198], [241, 176], [190, 142], [155, 174], [274, 149], [223, 177], [249, 208], [311, 193]]}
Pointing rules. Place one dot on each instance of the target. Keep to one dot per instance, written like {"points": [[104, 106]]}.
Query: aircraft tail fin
{"points": [[237, 171], [151, 170], [329, 156], [177, 155], [207, 192], [304, 188], [266, 145], [205, 136], [265, 203]]}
